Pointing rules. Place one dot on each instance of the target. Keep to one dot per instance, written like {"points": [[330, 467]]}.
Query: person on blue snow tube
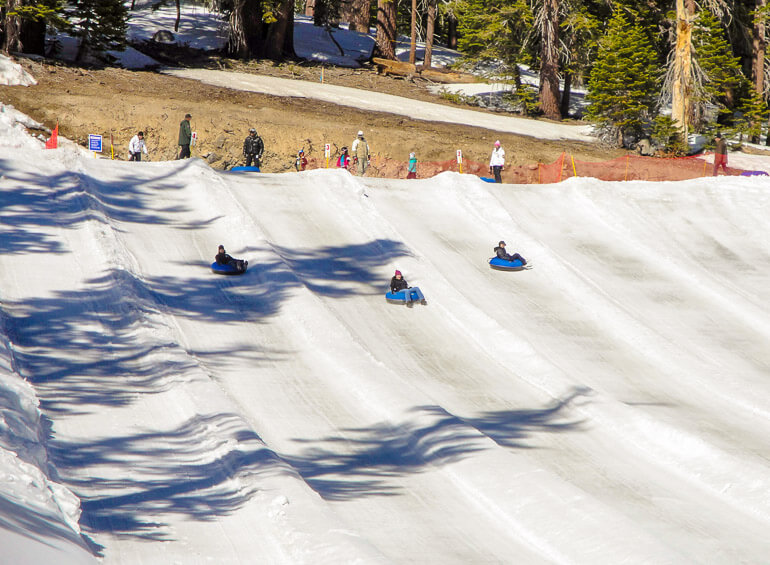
{"points": [[222, 258], [503, 254], [398, 283]]}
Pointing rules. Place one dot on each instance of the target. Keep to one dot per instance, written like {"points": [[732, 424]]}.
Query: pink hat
{"points": [[497, 143], [398, 272]]}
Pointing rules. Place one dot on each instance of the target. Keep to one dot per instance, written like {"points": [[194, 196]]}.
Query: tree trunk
{"points": [[682, 86], [245, 29], [356, 13], [386, 28], [452, 31], [280, 36], [12, 27], [758, 46], [413, 43], [33, 36], [427, 62], [566, 93], [178, 16], [549, 61]]}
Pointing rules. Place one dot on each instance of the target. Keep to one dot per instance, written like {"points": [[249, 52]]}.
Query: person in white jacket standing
{"points": [[136, 147], [497, 162]]}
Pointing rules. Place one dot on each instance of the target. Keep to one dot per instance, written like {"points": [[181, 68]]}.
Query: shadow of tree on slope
{"points": [[31, 201], [367, 461], [209, 466]]}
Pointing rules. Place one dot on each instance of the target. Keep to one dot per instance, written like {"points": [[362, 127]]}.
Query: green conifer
{"points": [[624, 82], [99, 24]]}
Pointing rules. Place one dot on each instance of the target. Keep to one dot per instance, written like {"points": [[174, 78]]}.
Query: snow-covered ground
{"points": [[610, 405]]}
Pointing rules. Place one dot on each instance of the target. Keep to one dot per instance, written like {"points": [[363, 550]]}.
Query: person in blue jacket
{"points": [[503, 254], [398, 283]]}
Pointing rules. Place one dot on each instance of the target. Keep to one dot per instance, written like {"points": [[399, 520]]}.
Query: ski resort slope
{"points": [[609, 405]]}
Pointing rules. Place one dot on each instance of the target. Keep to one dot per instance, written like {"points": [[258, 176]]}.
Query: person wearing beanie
{"points": [[497, 161], [411, 170], [503, 254], [720, 154], [398, 283], [360, 151]]}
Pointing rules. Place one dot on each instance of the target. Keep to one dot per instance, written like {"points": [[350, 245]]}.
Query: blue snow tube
{"points": [[242, 169], [503, 265], [754, 174], [487, 179], [400, 296], [228, 269]]}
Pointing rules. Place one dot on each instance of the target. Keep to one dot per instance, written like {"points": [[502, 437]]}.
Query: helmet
{"points": [[501, 242], [398, 272], [252, 130], [301, 150], [497, 143], [360, 133]]}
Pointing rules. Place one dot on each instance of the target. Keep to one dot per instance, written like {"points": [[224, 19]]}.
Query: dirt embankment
{"points": [[118, 103]]}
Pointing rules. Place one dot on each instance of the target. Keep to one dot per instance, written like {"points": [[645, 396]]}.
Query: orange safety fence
{"points": [[625, 168]]}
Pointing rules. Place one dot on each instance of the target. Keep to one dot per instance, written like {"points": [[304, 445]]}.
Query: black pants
{"points": [[135, 156], [252, 159], [497, 169], [184, 152]]}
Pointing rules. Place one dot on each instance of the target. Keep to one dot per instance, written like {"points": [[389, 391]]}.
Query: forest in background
{"points": [[655, 69]]}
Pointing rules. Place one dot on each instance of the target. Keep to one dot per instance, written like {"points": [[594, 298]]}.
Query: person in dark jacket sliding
{"points": [[503, 254], [398, 283], [253, 147], [224, 259]]}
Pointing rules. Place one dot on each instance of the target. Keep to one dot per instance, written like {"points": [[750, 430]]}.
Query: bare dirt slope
{"points": [[118, 103]]}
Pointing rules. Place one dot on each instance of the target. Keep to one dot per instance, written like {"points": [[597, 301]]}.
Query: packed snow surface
{"points": [[609, 405]]}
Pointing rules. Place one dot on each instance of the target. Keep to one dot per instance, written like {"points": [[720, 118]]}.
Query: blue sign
{"points": [[94, 142]]}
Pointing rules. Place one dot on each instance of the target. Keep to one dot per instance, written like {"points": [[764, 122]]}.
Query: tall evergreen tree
{"points": [[719, 73], [624, 82], [99, 24]]}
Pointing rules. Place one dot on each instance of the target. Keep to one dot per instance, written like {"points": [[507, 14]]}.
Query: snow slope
{"points": [[607, 406]]}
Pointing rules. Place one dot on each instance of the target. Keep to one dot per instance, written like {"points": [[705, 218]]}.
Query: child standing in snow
{"points": [[301, 161], [411, 169], [136, 146], [343, 161]]}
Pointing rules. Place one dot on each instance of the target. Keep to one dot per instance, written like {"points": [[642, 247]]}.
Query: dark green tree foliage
{"points": [[493, 29], [752, 115], [667, 136], [99, 24], [721, 71], [625, 80]]}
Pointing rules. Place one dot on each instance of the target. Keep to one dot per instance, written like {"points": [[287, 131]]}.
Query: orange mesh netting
{"points": [[628, 167]]}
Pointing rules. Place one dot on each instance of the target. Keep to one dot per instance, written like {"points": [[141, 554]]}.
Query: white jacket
{"points": [[136, 145], [498, 157]]}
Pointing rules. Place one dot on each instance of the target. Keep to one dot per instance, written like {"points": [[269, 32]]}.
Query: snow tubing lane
{"points": [[503, 265], [228, 269], [245, 169], [400, 296]]}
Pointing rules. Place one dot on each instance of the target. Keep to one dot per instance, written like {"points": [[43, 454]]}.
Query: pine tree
{"points": [[753, 115], [493, 29], [100, 24], [624, 81], [720, 72]]}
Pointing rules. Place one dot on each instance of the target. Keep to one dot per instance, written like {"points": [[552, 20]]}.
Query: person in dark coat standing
{"points": [[503, 254], [253, 147], [720, 154], [185, 137]]}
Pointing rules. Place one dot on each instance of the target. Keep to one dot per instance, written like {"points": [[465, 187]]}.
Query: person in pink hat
{"points": [[398, 283], [497, 161]]}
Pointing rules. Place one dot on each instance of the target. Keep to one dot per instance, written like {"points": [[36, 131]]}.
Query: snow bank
{"points": [[11, 74]]}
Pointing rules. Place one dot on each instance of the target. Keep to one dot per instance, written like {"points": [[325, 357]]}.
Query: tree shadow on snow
{"points": [[209, 466], [30, 202], [368, 461]]}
